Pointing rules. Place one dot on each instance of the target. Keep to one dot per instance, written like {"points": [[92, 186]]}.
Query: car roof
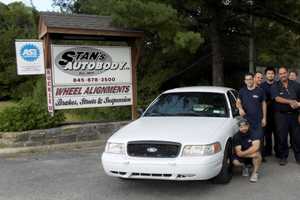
{"points": [[214, 89]]}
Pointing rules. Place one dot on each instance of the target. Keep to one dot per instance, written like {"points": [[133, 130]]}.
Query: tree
{"points": [[16, 22], [169, 44], [221, 28]]}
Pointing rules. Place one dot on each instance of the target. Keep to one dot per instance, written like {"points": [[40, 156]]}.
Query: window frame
{"points": [[227, 107], [231, 93]]}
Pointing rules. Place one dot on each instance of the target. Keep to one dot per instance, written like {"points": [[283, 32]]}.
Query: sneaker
{"points": [[245, 171], [282, 161], [254, 178]]}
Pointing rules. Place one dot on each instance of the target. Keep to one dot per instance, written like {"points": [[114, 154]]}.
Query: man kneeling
{"points": [[247, 150]]}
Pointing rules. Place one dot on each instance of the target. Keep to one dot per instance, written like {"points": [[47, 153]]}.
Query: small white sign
{"points": [[49, 90], [30, 57]]}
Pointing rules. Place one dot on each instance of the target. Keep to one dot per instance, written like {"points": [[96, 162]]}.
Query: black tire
{"points": [[225, 174]]}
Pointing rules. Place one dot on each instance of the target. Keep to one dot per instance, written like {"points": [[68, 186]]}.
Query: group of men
{"points": [[269, 109]]}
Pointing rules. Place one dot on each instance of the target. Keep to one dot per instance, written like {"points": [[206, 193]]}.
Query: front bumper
{"points": [[180, 168]]}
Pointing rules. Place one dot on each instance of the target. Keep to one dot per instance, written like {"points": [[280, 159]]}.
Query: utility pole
{"points": [[251, 39]]}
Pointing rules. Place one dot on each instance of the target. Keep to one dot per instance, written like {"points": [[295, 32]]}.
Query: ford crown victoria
{"points": [[185, 134]]}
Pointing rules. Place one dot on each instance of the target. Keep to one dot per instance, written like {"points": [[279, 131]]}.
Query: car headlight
{"points": [[201, 150], [117, 148]]}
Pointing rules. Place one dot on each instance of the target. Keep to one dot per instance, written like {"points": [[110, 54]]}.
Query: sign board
{"points": [[30, 57], [49, 90], [91, 76]]}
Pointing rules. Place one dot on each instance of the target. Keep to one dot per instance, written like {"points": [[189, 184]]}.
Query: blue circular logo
{"points": [[30, 52]]}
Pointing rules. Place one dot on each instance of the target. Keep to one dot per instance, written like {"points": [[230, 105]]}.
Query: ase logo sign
{"points": [[30, 52], [30, 57]]}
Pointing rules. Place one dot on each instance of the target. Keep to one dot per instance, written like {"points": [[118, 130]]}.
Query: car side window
{"points": [[232, 101]]}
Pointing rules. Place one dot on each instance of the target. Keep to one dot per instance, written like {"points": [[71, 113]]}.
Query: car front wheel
{"points": [[225, 174]]}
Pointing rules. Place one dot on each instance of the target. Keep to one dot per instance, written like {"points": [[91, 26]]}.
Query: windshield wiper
{"points": [[178, 114], [188, 114], [156, 114]]}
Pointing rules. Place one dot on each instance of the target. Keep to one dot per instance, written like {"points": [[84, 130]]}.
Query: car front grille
{"points": [[154, 149]]}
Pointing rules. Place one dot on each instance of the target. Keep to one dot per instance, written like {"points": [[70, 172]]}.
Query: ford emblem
{"points": [[152, 149]]}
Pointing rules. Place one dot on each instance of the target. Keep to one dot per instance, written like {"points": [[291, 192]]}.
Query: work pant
{"points": [[269, 132], [286, 123]]}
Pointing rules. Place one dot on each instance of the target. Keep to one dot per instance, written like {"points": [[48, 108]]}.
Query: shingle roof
{"points": [[81, 21]]}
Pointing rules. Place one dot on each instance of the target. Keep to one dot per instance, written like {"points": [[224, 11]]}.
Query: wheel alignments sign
{"points": [[91, 76]]}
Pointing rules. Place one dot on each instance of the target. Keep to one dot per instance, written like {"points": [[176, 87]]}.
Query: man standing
{"points": [[252, 105], [247, 150], [269, 129], [286, 92], [293, 75], [258, 78]]}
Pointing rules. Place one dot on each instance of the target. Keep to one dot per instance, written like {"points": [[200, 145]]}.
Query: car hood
{"points": [[185, 130]]}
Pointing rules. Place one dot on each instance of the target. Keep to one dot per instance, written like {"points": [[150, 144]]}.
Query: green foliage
{"points": [[16, 22], [284, 49], [6, 104], [150, 16], [149, 87], [177, 33], [30, 112], [28, 115], [39, 91], [188, 40], [99, 114]]}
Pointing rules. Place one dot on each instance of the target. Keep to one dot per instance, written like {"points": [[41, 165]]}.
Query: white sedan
{"points": [[185, 134]]}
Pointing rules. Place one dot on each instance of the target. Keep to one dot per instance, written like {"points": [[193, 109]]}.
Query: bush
{"points": [[28, 115], [99, 114]]}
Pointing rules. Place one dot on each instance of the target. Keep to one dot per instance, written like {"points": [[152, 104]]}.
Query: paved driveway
{"points": [[78, 175]]}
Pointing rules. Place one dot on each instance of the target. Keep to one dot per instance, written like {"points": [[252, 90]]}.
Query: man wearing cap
{"points": [[286, 94], [247, 150]]}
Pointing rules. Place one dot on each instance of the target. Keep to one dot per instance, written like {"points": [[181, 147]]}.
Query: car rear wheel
{"points": [[225, 174]]}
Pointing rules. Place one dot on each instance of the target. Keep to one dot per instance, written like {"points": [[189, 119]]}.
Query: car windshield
{"points": [[203, 104]]}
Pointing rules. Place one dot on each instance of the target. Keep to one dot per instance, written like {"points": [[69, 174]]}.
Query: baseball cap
{"points": [[243, 121]]}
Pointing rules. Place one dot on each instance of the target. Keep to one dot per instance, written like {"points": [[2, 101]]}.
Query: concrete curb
{"points": [[53, 147], [60, 135]]}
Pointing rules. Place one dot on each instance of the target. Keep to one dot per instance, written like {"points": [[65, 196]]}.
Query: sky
{"points": [[41, 5]]}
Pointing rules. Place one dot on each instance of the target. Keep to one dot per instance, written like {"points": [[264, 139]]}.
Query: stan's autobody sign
{"points": [[90, 76]]}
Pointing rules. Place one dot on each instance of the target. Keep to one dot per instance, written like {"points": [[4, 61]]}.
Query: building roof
{"points": [[52, 22]]}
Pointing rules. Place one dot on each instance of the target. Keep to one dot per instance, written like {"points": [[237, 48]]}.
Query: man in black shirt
{"points": [[258, 79], [252, 105], [247, 149], [286, 94], [293, 75], [269, 129]]}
